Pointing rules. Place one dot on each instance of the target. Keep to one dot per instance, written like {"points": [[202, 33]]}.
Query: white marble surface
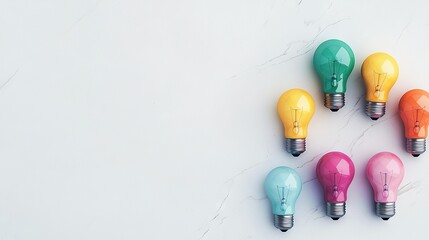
{"points": [[157, 119]]}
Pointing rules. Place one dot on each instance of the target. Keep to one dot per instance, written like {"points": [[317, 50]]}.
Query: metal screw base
{"points": [[385, 210], [283, 222], [335, 210], [295, 146], [416, 146], [375, 110], [334, 101]]}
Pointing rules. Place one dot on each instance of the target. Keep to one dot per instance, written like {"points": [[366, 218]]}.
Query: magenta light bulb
{"points": [[385, 172], [335, 171]]}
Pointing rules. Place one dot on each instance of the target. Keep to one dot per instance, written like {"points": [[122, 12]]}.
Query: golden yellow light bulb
{"points": [[380, 72], [295, 108]]}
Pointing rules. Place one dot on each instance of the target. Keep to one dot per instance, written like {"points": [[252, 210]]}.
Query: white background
{"points": [[157, 119]]}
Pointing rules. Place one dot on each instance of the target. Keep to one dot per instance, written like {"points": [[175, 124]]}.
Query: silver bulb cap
{"points": [[375, 110], [335, 210], [416, 146], [334, 101], [295, 146], [283, 222], [385, 210]]}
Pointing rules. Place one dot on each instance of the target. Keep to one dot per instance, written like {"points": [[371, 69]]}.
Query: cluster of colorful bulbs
{"points": [[334, 61]]}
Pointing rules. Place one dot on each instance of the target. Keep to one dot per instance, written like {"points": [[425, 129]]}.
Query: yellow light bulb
{"points": [[295, 108], [380, 72]]}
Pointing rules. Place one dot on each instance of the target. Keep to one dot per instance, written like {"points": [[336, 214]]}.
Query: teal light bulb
{"points": [[334, 61], [283, 186]]}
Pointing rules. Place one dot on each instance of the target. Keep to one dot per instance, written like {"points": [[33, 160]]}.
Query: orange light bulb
{"points": [[414, 111]]}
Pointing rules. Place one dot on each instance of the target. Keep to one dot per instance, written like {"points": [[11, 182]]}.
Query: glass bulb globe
{"points": [[295, 108], [414, 111], [333, 61], [283, 186], [380, 72], [385, 172], [335, 172]]}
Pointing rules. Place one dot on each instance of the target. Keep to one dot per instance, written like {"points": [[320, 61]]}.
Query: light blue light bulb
{"points": [[283, 186]]}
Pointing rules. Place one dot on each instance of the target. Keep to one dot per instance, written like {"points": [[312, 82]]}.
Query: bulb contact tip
{"points": [[375, 110], [334, 101], [295, 146], [335, 210], [416, 146], [385, 210], [283, 222]]}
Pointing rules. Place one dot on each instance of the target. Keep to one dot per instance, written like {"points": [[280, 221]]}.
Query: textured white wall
{"points": [[157, 119]]}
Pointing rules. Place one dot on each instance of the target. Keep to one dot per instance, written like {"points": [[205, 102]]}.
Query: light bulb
{"points": [[334, 61], [380, 72], [414, 111], [283, 186], [385, 172], [335, 172], [295, 108]]}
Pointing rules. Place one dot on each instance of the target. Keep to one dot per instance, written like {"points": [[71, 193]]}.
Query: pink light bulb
{"points": [[335, 172], [385, 172]]}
